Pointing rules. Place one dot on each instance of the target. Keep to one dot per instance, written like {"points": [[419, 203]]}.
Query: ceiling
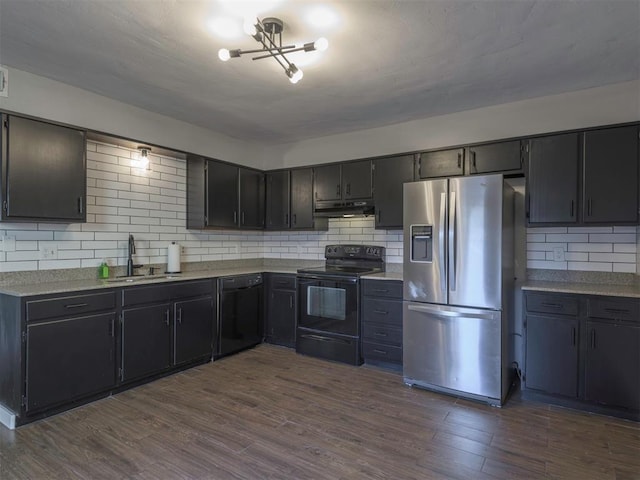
{"points": [[387, 62]]}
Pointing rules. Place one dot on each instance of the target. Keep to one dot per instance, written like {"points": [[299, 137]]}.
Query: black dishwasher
{"points": [[241, 313]]}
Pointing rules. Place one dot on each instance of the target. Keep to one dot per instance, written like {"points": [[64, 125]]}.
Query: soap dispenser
{"points": [[103, 270]]}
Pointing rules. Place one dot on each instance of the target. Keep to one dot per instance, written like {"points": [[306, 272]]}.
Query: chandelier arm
{"points": [[274, 54]]}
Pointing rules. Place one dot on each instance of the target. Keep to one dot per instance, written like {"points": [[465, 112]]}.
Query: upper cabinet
{"points": [[552, 179], [501, 157], [389, 176], [221, 195], [289, 201], [343, 181], [610, 176], [43, 171], [441, 163], [584, 178]]}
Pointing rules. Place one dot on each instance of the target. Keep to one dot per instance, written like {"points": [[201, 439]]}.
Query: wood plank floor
{"points": [[269, 413]]}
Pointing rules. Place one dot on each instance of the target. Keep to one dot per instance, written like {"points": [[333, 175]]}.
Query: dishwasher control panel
{"points": [[240, 281]]}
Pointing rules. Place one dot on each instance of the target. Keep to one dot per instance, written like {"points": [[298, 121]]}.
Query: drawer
{"points": [[382, 288], [282, 281], [615, 308], [165, 292], [384, 353], [70, 305], [552, 303], [381, 311], [383, 334]]}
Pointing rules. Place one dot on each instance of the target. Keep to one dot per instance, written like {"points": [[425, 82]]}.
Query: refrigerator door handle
{"points": [[441, 243], [452, 242], [448, 313]]}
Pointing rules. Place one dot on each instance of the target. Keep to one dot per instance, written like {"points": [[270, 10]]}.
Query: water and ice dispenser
{"points": [[421, 243]]}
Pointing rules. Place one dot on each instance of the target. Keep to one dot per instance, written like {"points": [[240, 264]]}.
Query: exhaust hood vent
{"points": [[343, 209]]}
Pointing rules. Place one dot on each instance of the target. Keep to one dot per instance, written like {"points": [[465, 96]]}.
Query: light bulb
{"points": [[321, 44], [296, 76], [223, 54], [250, 26]]}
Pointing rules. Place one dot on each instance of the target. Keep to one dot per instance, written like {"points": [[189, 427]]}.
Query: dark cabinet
{"points": [[504, 157], [552, 354], [146, 341], [610, 176], [193, 329], [281, 310], [441, 163], [277, 200], [289, 201], [222, 195], [552, 179], [68, 359], [43, 171], [381, 320], [584, 348], [389, 176], [343, 181]]}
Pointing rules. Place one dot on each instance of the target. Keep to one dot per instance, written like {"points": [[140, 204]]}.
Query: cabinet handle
{"points": [[617, 310], [381, 312], [286, 219], [290, 301], [459, 159], [166, 317], [573, 336], [338, 190], [242, 218], [379, 290], [180, 315], [76, 305], [235, 217], [348, 189], [473, 158], [379, 215], [571, 211], [552, 305], [383, 352], [589, 207], [593, 339], [112, 328], [295, 219], [80, 205], [380, 334]]}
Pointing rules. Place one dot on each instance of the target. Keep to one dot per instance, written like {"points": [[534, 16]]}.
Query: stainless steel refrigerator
{"points": [[458, 284]]}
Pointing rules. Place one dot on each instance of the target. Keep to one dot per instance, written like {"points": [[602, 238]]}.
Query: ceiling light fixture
{"points": [[268, 32]]}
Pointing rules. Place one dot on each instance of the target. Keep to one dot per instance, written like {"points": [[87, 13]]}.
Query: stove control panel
{"points": [[364, 252]]}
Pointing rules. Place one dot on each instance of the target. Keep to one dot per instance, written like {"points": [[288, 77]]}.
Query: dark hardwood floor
{"points": [[269, 413]]}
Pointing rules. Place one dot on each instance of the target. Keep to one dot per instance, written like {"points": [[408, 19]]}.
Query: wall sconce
{"points": [[142, 161]]}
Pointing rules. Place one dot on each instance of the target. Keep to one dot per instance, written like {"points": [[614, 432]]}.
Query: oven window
{"points": [[326, 302]]}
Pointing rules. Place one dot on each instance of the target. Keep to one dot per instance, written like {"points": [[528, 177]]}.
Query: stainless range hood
{"points": [[343, 209]]}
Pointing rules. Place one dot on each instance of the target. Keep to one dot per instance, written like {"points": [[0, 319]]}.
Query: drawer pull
{"points": [[381, 312], [380, 290], [282, 282], [617, 310], [383, 352], [551, 305], [380, 334], [76, 305]]}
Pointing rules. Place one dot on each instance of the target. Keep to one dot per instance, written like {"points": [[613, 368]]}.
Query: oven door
{"points": [[328, 304]]}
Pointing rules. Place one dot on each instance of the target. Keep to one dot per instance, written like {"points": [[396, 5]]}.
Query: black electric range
{"points": [[329, 302]]}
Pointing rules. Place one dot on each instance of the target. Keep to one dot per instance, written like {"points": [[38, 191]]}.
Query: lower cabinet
{"points": [[281, 310], [193, 329], [584, 349], [381, 323], [69, 358]]}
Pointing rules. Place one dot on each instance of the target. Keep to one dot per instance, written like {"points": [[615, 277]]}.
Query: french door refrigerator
{"points": [[458, 280]]}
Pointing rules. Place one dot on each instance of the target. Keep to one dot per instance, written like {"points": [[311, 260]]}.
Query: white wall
{"points": [[38, 96], [611, 104]]}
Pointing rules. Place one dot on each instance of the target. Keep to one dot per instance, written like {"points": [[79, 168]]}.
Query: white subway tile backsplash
{"points": [[590, 247], [612, 257], [567, 237], [625, 248], [613, 237], [591, 266], [624, 268]]}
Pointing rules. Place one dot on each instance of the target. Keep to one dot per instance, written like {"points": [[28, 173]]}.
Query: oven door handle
{"points": [[333, 278], [320, 338]]}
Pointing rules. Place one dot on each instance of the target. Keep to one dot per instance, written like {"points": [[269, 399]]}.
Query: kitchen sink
{"points": [[137, 278]]}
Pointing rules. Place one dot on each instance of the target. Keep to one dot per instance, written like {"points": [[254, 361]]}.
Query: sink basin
{"points": [[137, 278]]}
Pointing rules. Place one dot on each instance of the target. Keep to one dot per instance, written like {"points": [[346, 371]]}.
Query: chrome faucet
{"points": [[130, 251]]}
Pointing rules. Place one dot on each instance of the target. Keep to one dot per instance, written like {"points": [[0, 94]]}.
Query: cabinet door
{"points": [[146, 341], [193, 329], [327, 185], [68, 359], [277, 200], [45, 171], [251, 198], [302, 198], [389, 177], [612, 374], [357, 180], [222, 194], [281, 318], [495, 157], [610, 164], [443, 163], [552, 179], [552, 354]]}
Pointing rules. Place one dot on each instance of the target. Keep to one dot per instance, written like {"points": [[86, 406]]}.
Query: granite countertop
{"points": [[611, 290], [78, 285]]}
